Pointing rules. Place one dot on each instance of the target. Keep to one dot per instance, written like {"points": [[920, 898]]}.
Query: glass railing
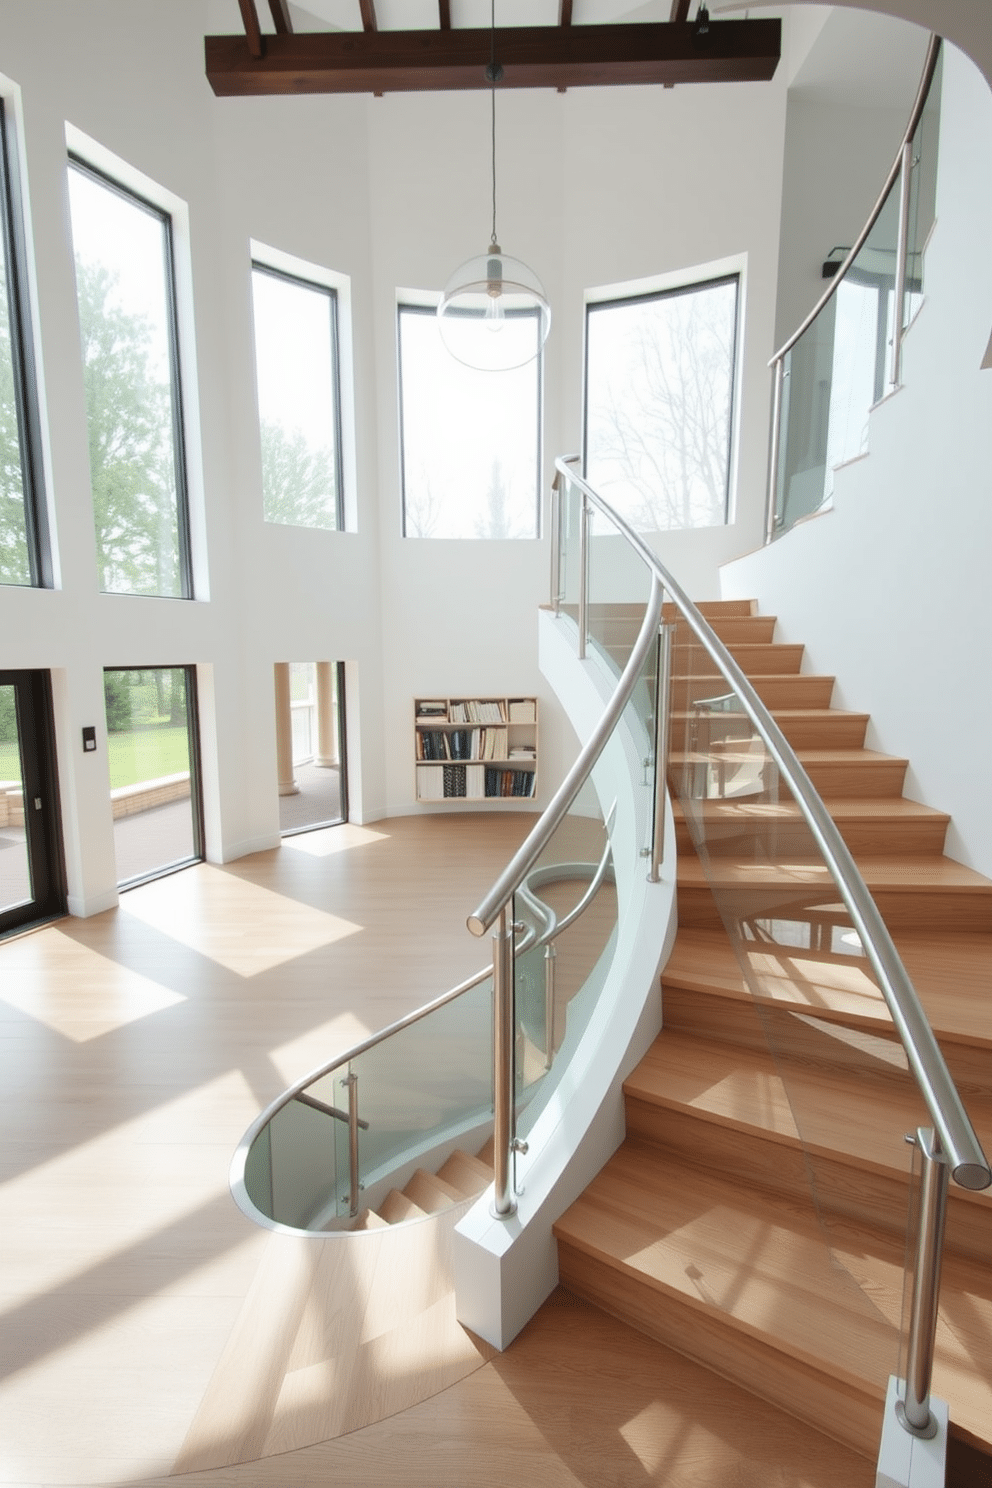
{"points": [[847, 354], [762, 857]]}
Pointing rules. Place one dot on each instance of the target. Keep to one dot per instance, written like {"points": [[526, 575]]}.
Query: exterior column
{"points": [[327, 756], [288, 785]]}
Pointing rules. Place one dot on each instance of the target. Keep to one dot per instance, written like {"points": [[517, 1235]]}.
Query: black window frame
{"points": [[406, 306], [184, 542], [260, 266], [735, 277], [24, 362]]}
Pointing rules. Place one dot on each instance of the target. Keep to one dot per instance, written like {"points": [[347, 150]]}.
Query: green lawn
{"points": [[10, 761], [145, 754], [142, 754]]}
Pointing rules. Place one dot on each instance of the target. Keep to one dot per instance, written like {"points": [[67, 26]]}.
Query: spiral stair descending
{"points": [[782, 1067]]}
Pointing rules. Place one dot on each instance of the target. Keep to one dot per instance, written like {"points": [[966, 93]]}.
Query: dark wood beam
{"points": [[564, 12], [444, 14], [680, 11], [253, 31], [281, 17], [367, 7], [532, 57]]}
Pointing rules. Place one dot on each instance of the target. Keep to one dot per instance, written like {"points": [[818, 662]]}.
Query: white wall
{"points": [[889, 590], [596, 186]]}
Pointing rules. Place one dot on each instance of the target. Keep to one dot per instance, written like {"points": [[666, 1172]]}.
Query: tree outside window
{"points": [[659, 404], [125, 293]]}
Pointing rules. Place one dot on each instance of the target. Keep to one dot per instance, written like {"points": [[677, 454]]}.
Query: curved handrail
{"points": [[929, 67], [532, 938], [958, 1139]]}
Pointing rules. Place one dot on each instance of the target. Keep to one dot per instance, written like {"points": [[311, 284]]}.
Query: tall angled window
{"points": [[659, 404], [24, 554], [471, 441], [299, 404], [126, 289]]}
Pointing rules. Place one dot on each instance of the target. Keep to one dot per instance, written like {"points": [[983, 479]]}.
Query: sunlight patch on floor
{"points": [[317, 1045], [67, 1006], [239, 925], [327, 840]]}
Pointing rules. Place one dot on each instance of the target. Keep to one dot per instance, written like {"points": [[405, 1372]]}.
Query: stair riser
{"points": [[878, 837], [848, 1414], [856, 779], [783, 691], [690, 660], [830, 731], [932, 908]]}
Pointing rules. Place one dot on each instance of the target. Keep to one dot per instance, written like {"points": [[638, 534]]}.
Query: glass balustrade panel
{"points": [[569, 537], [425, 1088], [559, 973], [618, 588], [922, 211], [807, 1062], [291, 1167]]}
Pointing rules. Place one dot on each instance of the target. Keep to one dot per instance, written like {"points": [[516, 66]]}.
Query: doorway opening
{"points": [[310, 735], [154, 758], [32, 865]]}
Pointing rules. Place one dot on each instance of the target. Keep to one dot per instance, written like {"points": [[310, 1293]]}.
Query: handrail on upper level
{"points": [[919, 103], [960, 1143]]}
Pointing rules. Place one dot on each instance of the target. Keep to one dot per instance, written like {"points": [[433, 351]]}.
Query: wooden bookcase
{"points": [[475, 749]]}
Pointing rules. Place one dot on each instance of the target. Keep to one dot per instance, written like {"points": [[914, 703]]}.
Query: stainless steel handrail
{"points": [[968, 1163], [929, 67]]}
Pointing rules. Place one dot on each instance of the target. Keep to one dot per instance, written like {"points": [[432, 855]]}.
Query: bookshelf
{"points": [[475, 749]]}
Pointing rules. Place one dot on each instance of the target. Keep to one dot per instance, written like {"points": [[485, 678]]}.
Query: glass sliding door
{"points": [[310, 739], [153, 755], [32, 875]]}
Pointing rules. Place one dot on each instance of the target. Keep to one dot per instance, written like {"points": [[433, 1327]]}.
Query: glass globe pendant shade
{"points": [[494, 314]]}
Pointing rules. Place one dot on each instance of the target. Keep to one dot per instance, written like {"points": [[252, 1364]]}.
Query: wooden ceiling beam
{"points": [[444, 14], [281, 17], [253, 31], [564, 12], [531, 56], [367, 7], [680, 11]]}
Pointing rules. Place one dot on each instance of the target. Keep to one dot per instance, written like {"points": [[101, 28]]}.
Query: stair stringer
{"points": [[505, 1268]]}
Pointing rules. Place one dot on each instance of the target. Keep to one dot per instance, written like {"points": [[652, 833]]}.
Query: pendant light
{"points": [[494, 314]]}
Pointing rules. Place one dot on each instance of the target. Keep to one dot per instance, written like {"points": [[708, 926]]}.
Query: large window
{"points": [[471, 441], [659, 403], [24, 555], [299, 404], [126, 291]]}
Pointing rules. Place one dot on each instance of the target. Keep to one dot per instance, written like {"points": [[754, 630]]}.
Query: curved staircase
{"points": [[783, 1067]]}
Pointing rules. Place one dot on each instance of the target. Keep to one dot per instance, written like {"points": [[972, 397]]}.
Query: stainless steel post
{"points": [[503, 1074], [773, 453], [556, 511], [550, 967], [915, 1414], [662, 728], [351, 1080], [583, 576], [902, 247]]}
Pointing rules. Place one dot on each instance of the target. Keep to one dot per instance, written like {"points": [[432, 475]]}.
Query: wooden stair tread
{"points": [[854, 808], [673, 1232], [950, 973], [430, 1192], [467, 1173], [828, 1107], [397, 1207], [891, 873]]}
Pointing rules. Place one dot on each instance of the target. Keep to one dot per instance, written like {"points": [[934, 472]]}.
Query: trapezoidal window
{"points": [[659, 403], [470, 441], [24, 550], [125, 286], [299, 399]]}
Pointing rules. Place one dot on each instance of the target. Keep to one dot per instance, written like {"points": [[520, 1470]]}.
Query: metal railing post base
{"points": [[906, 1460]]}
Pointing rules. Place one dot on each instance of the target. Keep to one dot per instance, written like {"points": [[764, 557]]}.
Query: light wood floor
{"points": [[149, 1329]]}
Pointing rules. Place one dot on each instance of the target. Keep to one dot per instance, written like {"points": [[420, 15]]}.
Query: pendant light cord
{"points": [[492, 95]]}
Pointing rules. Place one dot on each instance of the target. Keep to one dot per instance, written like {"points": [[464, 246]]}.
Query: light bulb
{"points": [[494, 317]]}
